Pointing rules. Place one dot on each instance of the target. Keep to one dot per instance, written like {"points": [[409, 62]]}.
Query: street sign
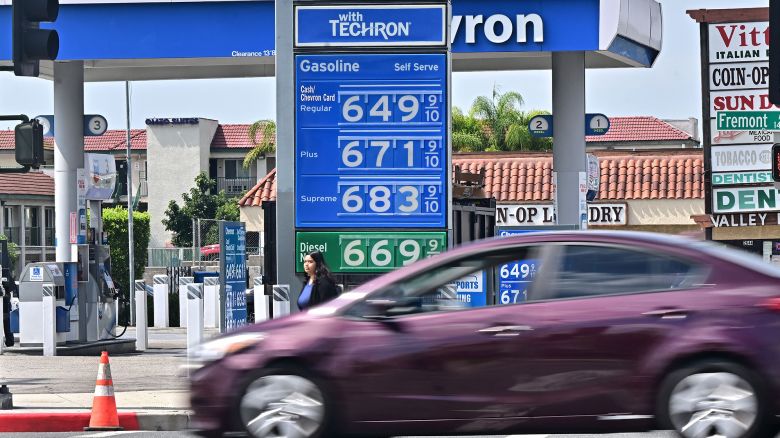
{"points": [[748, 120], [362, 252], [94, 124], [542, 125], [371, 146], [370, 25]]}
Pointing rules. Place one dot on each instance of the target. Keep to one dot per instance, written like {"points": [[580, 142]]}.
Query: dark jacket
{"points": [[322, 290]]}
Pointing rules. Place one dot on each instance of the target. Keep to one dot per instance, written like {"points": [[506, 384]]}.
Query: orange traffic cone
{"points": [[104, 415]]}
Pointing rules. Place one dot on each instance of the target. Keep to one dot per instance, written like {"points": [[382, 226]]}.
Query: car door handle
{"points": [[505, 330], [667, 313]]}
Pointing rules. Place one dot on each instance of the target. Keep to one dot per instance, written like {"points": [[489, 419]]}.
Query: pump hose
{"points": [[124, 329]]}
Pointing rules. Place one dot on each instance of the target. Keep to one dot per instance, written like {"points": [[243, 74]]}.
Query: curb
{"points": [[77, 421]]}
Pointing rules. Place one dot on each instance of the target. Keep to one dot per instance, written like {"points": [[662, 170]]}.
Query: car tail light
{"points": [[772, 304]]}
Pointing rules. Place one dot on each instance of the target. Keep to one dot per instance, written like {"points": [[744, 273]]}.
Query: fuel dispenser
{"points": [[30, 312], [95, 314]]}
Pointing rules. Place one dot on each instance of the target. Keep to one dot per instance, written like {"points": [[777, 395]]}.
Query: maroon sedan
{"points": [[600, 331]]}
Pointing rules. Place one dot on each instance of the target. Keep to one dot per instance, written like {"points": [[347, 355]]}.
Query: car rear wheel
{"points": [[283, 403], [714, 399]]}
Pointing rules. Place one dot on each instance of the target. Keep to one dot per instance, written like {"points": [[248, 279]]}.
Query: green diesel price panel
{"points": [[369, 252]]}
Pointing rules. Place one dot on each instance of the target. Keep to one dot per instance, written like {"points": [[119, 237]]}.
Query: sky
{"points": [[671, 89]]}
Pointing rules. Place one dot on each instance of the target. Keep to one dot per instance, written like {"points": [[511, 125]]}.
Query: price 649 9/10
{"points": [[366, 107]]}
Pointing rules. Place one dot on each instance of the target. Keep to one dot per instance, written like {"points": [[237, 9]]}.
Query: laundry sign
{"points": [[543, 214], [747, 199]]}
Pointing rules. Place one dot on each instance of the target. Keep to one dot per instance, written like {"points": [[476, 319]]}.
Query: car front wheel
{"points": [[714, 399], [283, 403]]}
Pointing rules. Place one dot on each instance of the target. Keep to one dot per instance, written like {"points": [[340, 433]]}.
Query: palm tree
{"points": [[505, 125], [266, 143]]}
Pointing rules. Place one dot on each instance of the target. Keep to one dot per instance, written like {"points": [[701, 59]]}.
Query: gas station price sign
{"points": [[371, 146], [363, 252]]}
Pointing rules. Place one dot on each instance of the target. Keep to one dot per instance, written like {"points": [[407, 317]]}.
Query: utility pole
{"points": [[131, 244]]}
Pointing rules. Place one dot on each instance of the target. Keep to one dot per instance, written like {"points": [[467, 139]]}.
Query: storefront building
{"points": [[741, 203]]}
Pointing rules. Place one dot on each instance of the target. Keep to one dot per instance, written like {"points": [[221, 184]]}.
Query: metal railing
{"points": [[32, 236], [121, 189], [235, 186], [164, 257]]}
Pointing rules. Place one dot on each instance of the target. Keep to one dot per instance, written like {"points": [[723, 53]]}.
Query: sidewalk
{"points": [[54, 394]]}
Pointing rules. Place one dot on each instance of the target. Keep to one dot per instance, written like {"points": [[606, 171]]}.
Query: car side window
{"points": [[454, 285], [592, 270]]}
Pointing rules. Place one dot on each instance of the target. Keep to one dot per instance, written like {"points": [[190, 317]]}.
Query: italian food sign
{"points": [[743, 199]]}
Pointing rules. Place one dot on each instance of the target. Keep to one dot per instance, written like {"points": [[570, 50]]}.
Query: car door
{"points": [[606, 309], [457, 366]]}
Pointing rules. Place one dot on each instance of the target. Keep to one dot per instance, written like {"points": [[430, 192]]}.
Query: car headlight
{"points": [[219, 348]]}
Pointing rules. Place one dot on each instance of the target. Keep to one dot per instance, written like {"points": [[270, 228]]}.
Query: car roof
{"points": [[674, 243]]}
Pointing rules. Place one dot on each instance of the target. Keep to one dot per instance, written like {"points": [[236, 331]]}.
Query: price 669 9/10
{"points": [[384, 253]]}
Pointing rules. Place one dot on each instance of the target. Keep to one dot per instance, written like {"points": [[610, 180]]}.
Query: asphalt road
{"points": [[187, 435]]}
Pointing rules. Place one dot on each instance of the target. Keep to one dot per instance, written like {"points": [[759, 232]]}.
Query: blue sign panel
{"points": [[232, 276], [471, 289], [371, 141], [514, 279], [246, 29], [524, 26], [371, 25]]}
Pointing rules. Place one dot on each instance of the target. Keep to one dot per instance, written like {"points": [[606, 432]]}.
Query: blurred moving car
{"points": [[618, 332]]}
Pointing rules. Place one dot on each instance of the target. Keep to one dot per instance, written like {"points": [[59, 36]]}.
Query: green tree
{"points": [[505, 125], [202, 202], [13, 251], [262, 134], [467, 135], [115, 226]]}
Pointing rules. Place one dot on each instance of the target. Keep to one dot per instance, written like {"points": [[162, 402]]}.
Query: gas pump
{"points": [[96, 316]]}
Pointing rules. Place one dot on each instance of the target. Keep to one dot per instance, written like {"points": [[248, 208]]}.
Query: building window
{"points": [[49, 224], [32, 226], [12, 222], [237, 180]]}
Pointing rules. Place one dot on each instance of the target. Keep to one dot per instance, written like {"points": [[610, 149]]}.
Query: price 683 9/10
{"points": [[370, 107], [394, 199]]}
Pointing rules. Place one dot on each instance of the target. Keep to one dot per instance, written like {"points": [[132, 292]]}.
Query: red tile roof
{"points": [[31, 183], [236, 136], [233, 137], [113, 139], [527, 177], [264, 190], [639, 128], [116, 139]]}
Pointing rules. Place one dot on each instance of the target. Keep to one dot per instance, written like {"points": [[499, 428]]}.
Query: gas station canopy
{"points": [[148, 40]]}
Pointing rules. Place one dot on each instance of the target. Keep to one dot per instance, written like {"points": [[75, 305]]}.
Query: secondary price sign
{"points": [[371, 146], [232, 274]]}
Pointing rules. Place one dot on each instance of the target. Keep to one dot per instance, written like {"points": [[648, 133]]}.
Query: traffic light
{"points": [[29, 144], [31, 44]]}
